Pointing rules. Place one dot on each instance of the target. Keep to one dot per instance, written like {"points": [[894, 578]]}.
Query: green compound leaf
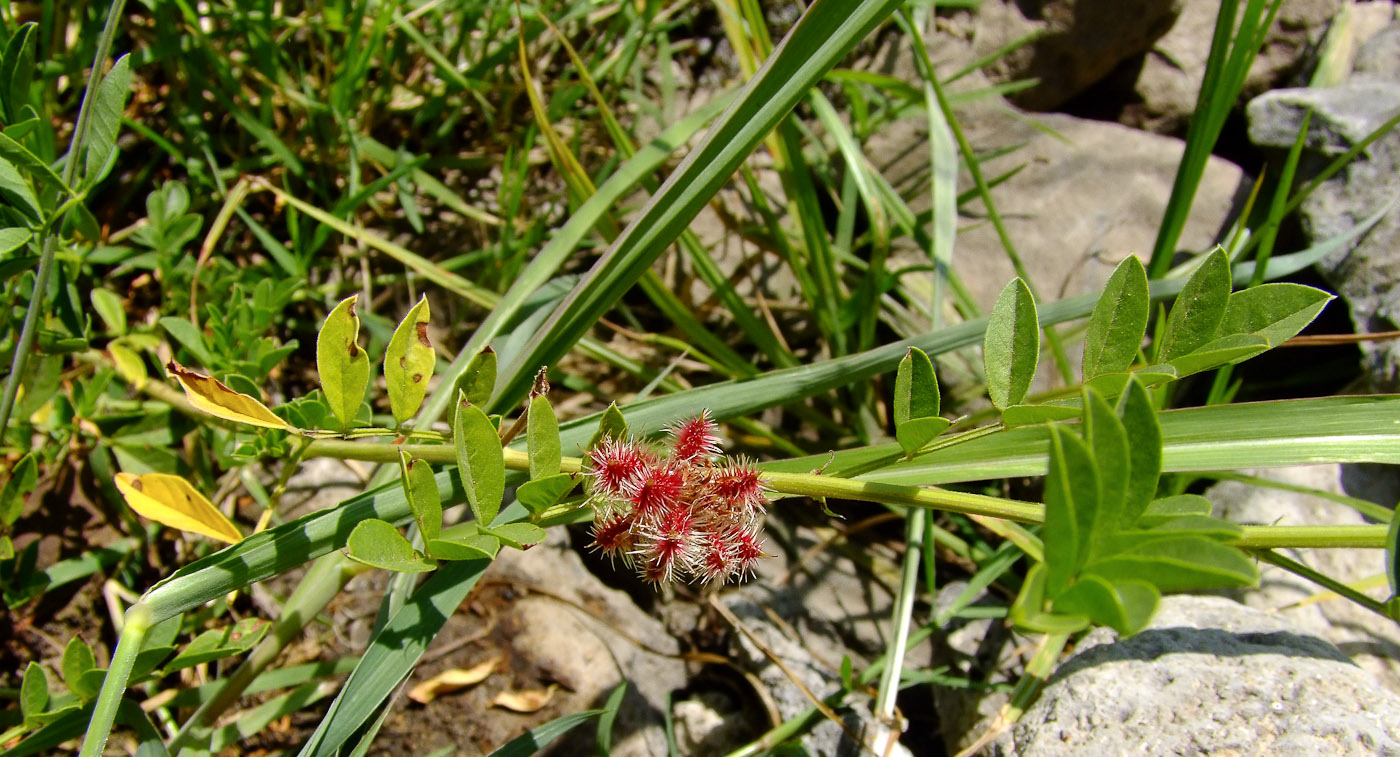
{"points": [[1140, 423], [1011, 348], [542, 436], [17, 193], [1124, 606], [77, 661], [914, 433], [33, 692], [341, 363], [1196, 315], [408, 362], [518, 535], [1108, 443], [1218, 352], [1276, 312], [479, 378], [1030, 415], [915, 388], [17, 71], [1167, 508], [1071, 501], [420, 487], [480, 461], [110, 309], [13, 238], [611, 425], [540, 494], [1185, 563], [107, 105], [1118, 322], [378, 544], [470, 547], [1028, 612]]}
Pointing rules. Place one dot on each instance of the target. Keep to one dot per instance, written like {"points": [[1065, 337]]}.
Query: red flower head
{"points": [[694, 439]]}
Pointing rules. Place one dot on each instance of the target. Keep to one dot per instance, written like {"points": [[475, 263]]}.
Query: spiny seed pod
{"points": [[685, 513]]}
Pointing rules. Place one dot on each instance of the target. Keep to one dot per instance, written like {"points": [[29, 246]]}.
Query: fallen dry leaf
{"points": [[452, 680], [525, 701]]}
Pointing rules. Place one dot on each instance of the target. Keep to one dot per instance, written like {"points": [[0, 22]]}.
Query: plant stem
{"points": [[888, 725], [1038, 671], [139, 620], [1326, 582]]}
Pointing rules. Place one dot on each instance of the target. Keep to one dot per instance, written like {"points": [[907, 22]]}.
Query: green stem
{"points": [[139, 620], [46, 256], [927, 498], [903, 612], [1326, 582]]}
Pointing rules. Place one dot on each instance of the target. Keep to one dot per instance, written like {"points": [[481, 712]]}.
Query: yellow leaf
{"points": [[172, 501], [452, 680], [211, 396], [525, 701]]}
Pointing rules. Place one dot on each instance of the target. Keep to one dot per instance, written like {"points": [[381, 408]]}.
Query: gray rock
{"points": [[1367, 274], [1372, 642], [1379, 57], [1208, 676], [589, 637]]}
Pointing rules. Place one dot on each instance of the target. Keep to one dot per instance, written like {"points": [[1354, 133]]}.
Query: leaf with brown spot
{"points": [[530, 700], [211, 396], [341, 363], [409, 362], [452, 680], [171, 500]]}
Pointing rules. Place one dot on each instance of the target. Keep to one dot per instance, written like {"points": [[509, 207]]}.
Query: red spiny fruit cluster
{"points": [[685, 512]]}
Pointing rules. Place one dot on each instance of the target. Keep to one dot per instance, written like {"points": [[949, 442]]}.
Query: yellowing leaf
{"points": [[452, 680], [172, 501], [525, 701], [211, 396]]}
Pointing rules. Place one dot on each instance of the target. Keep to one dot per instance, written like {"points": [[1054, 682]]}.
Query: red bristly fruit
{"points": [[688, 513]]}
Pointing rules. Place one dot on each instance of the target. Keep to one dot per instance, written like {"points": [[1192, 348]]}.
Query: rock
{"points": [[571, 635], [1379, 57], [1168, 79], [1366, 273], [1079, 42], [1084, 200], [1372, 642], [1208, 676]]}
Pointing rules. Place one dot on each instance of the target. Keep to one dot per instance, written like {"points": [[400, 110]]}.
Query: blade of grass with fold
{"points": [[821, 37]]}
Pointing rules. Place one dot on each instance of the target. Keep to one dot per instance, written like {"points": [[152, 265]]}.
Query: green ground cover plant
{"points": [[199, 290]]}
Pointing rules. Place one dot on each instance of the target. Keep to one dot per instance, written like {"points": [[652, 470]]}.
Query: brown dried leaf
{"points": [[452, 680], [525, 701]]}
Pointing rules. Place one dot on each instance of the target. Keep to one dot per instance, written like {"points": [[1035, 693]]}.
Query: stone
{"points": [[1167, 80], [1372, 642], [588, 637], [1088, 194], [1367, 272], [1078, 43], [1208, 676]]}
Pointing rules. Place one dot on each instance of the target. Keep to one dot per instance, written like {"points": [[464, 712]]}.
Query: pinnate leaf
{"points": [[914, 433], [915, 388], [1108, 443], [542, 436], [408, 362], [378, 544], [1119, 321], [424, 499], [1011, 348], [77, 661], [341, 363], [1125, 606], [1221, 351], [1181, 564], [172, 501], [1029, 415], [1144, 433], [210, 395], [519, 535], [479, 379], [469, 547], [33, 692], [107, 105], [1276, 312], [1162, 510], [540, 494], [1199, 308], [480, 461]]}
